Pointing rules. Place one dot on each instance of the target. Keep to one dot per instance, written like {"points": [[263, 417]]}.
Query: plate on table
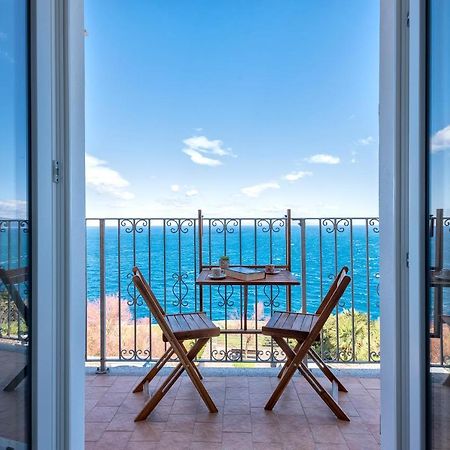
{"points": [[217, 277], [275, 272]]}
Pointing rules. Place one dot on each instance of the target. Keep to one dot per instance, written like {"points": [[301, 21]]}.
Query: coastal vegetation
{"points": [[137, 337]]}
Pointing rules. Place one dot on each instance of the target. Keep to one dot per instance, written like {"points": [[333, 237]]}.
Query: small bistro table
{"points": [[284, 278]]}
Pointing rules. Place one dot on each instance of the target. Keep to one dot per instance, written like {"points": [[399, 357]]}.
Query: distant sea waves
{"points": [[170, 260]]}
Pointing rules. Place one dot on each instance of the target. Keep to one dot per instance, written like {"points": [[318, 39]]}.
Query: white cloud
{"points": [[294, 176], [198, 158], [258, 189], [191, 193], [441, 139], [13, 209], [199, 146], [322, 158], [101, 178], [366, 141], [175, 188]]}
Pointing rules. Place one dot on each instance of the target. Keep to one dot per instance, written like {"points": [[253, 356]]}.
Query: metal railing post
{"points": [[102, 369], [303, 250], [288, 257], [200, 254]]}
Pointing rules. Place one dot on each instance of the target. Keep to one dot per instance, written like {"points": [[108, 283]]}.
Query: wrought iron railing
{"points": [[168, 251]]}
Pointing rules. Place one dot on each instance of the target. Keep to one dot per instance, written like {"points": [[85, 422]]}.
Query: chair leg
{"points": [[194, 365], [193, 373], [288, 360], [155, 369], [289, 372], [323, 394], [172, 378], [326, 370]]}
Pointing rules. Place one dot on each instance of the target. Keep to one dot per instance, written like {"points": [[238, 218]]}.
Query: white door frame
{"points": [[57, 82], [402, 222]]}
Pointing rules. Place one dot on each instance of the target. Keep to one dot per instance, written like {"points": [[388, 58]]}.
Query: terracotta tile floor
{"points": [[181, 421]]}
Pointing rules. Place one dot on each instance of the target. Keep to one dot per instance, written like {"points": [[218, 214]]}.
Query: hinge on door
{"points": [[55, 171], [407, 19], [407, 259]]}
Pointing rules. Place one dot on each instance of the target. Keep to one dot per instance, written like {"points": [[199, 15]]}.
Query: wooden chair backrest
{"points": [[10, 279], [330, 302], [137, 271], [331, 289], [152, 303]]}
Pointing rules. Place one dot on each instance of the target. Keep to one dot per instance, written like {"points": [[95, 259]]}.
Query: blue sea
{"points": [[168, 255]]}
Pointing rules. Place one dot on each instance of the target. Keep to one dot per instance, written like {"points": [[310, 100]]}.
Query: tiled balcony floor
{"points": [[181, 421]]}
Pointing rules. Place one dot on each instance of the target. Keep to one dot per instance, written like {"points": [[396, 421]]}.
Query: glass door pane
{"points": [[14, 226], [438, 152]]}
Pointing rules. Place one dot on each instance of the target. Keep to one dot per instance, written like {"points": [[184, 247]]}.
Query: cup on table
{"points": [[216, 272], [270, 268]]}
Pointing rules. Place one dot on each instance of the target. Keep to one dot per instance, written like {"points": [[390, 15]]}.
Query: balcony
{"points": [[170, 252], [241, 365]]}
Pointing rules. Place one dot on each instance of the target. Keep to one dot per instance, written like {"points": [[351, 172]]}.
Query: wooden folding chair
{"points": [[10, 279], [305, 329], [176, 328]]}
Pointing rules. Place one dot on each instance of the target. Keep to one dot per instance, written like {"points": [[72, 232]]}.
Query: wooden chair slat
{"points": [[275, 316], [191, 321], [182, 322], [173, 323], [199, 321], [290, 320], [307, 323], [297, 325], [282, 319]]}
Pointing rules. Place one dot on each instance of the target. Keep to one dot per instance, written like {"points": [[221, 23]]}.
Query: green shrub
{"points": [[346, 324]]}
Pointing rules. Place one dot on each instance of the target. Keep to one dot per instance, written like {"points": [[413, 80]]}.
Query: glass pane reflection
{"points": [[439, 222], [14, 229]]}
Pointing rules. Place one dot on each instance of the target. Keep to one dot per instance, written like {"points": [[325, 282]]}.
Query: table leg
{"points": [[245, 305]]}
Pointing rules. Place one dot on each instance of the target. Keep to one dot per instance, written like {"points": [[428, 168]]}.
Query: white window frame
{"points": [[402, 221], [58, 321]]}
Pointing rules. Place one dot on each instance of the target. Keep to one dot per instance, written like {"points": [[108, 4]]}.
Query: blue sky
{"points": [[241, 108], [13, 109]]}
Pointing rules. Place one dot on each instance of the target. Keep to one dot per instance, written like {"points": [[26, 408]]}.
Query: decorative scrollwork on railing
{"points": [[182, 290], [136, 225], [328, 224], [179, 225], [230, 225], [226, 295], [135, 296], [275, 355], [374, 356], [23, 225], [269, 293], [218, 225], [327, 355], [446, 223], [274, 225], [134, 355], [3, 226], [346, 355], [234, 354], [342, 224], [227, 225], [374, 224]]}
